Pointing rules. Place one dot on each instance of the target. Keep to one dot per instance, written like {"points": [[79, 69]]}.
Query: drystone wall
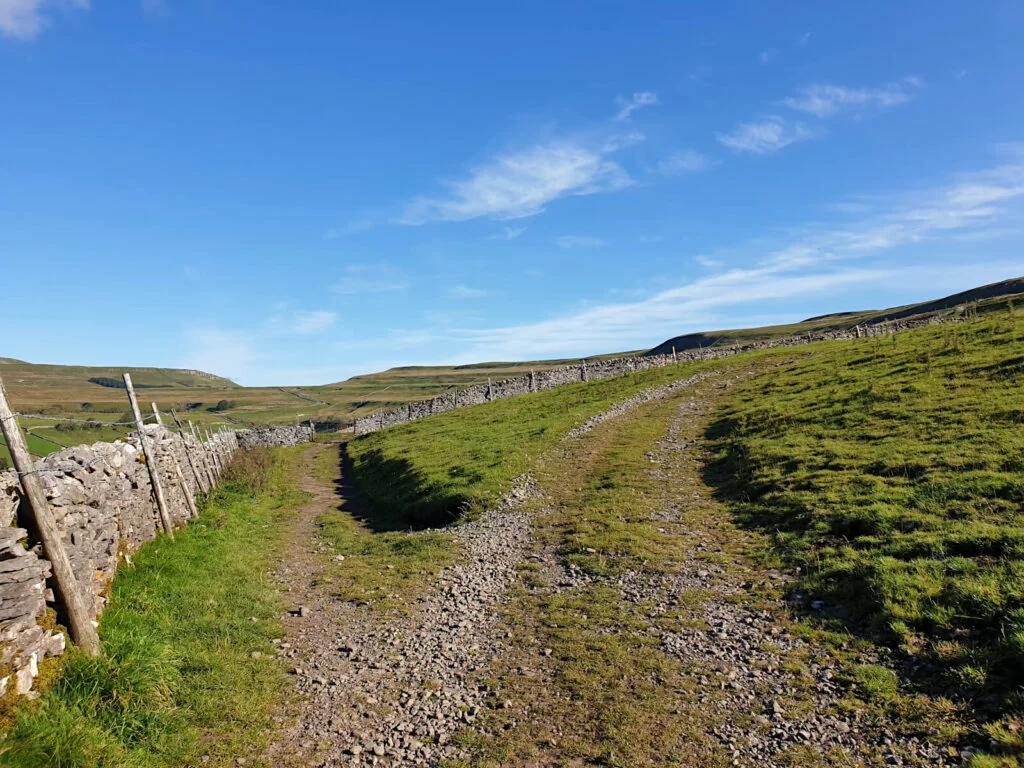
{"points": [[606, 369], [102, 499]]}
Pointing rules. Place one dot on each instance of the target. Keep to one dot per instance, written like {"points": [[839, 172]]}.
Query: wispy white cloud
{"points": [[819, 260], [684, 161], [766, 56], [192, 274], [362, 279], [579, 241], [25, 19], [518, 184], [462, 291], [708, 262], [824, 100], [767, 135], [353, 227], [508, 233], [804, 38], [639, 100]]}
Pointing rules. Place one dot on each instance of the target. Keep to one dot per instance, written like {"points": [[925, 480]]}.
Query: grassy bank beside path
{"points": [[188, 675], [424, 472], [890, 476]]}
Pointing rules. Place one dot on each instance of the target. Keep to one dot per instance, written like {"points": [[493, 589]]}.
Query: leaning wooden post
{"points": [[200, 483], [189, 501], [533, 382], [151, 465], [675, 358], [222, 443], [490, 395], [206, 459], [79, 615], [213, 454]]}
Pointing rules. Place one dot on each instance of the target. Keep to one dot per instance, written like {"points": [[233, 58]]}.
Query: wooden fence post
{"points": [[206, 459], [213, 454], [200, 484], [490, 396], [190, 502], [675, 358], [533, 382], [151, 465], [79, 614]]}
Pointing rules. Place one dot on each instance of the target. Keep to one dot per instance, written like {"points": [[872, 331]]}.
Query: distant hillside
{"points": [[841, 320], [19, 375]]}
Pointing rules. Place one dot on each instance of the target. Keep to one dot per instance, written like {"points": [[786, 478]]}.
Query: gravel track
{"points": [[393, 690]]}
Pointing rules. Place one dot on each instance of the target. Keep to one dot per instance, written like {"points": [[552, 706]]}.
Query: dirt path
{"points": [[395, 689]]}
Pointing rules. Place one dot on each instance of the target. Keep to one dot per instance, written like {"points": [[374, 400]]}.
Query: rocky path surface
{"points": [[778, 700], [393, 690]]}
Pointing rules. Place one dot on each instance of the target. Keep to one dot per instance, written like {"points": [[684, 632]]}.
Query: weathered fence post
{"points": [[151, 465], [489, 395], [675, 357], [533, 382], [211, 481], [213, 455], [583, 372], [79, 614], [189, 501], [200, 482]]}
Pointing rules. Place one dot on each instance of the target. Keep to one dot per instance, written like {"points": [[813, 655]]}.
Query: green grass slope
{"points": [[425, 472], [888, 472], [891, 475], [178, 683]]}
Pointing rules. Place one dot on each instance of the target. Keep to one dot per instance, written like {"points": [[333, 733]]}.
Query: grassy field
{"points": [[886, 473], [423, 473], [889, 474], [178, 680], [65, 392]]}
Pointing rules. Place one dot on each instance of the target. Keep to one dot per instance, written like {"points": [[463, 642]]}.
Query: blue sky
{"points": [[294, 193]]}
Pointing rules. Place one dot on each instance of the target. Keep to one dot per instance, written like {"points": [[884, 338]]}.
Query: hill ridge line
{"points": [[611, 368]]}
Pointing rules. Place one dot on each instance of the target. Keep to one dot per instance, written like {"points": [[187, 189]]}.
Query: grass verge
{"points": [[385, 569], [889, 474], [427, 472], [178, 680]]}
